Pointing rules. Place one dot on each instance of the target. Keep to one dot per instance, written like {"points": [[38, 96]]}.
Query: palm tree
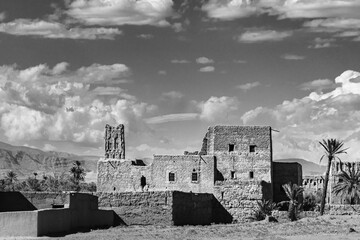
{"points": [[78, 174], [349, 186], [10, 178], [293, 192], [332, 148]]}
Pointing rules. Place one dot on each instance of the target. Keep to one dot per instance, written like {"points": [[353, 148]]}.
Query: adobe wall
{"points": [[183, 166], [241, 161], [159, 208], [14, 201], [43, 200], [239, 197], [284, 173], [139, 208], [22, 223], [115, 175]]}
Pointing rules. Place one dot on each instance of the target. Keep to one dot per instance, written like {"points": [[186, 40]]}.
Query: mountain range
{"points": [[26, 161]]}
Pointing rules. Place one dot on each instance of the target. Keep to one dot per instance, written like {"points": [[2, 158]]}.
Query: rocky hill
{"points": [[25, 161]]}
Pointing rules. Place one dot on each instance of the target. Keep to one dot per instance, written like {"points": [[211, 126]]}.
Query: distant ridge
{"points": [[25, 161], [308, 168]]}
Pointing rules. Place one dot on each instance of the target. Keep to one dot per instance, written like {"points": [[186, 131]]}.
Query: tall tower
{"points": [[115, 141]]}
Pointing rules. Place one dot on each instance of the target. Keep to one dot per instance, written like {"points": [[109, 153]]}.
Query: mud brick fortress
{"points": [[235, 165]]}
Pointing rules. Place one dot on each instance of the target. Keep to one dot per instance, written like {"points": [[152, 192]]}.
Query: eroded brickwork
{"points": [[235, 164], [115, 141]]}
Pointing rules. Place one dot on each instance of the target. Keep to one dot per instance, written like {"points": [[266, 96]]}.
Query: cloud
{"points": [[340, 27], [172, 118], [262, 36], [146, 36], [58, 104], [2, 16], [303, 122], [48, 147], [247, 86], [233, 9], [162, 72], [218, 109], [173, 95], [322, 43], [204, 60], [318, 85], [180, 61], [121, 12], [207, 69], [55, 30], [292, 57]]}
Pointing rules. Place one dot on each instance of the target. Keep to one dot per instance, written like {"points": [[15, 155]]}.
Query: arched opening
{"points": [[143, 182]]}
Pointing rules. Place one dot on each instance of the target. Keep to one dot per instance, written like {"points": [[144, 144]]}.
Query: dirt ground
{"points": [[322, 228]]}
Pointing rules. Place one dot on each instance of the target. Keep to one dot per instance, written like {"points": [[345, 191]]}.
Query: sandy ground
{"points": [[322, 228]]}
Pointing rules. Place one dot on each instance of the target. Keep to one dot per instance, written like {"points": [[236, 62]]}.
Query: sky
{"points": [[169, 69]]}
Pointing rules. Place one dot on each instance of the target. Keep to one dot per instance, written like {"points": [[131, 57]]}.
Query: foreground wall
{"points": [[82, 214], [159, 208]]}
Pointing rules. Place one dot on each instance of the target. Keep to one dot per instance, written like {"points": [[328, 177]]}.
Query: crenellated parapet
{"points": [[115, 141]]}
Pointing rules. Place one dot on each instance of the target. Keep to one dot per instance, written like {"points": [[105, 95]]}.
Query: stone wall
{"points": [[183, 166], [121, 176], [284, 173], [242, 152], [159, 208], [239, 197], [124, 176], [344, 209]]}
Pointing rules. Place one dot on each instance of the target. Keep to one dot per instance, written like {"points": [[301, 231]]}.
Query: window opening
{"points": [[194, 176], [252, 148], [231, 147], [171, 177], [232, 174], [251, 174]]}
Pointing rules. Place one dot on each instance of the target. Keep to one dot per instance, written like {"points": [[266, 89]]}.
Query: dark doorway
{"points": [[143, 182]]}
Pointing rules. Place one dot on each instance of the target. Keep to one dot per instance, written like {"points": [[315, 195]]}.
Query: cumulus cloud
{"points": [[263, 36], [247, 86], [218, 109], [233, 9], [56, 30], [292, 57], [58, 104], [207, 69], [303, 122], [204, 60], [121, 12], [2, 16], [318, 85]]}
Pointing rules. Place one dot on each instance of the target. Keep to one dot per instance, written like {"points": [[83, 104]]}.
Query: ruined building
{"points": [[235, 165]]}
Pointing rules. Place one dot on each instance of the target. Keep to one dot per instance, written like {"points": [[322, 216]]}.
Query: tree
{"points": [[77, 175], [11, 178], [348, 185], [292, 191], [332, 148]]}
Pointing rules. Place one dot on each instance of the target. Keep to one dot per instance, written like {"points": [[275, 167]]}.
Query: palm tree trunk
{"points": [[291, 211], [326, 181]]}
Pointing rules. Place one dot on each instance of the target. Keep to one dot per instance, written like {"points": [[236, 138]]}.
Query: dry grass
{"points": [[326, 228]]}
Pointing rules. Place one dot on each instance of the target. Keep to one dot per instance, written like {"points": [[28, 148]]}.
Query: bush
{"points": [[264, 208]]}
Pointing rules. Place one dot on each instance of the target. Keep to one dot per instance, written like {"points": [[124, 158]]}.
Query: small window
{"points": [[252, 148], [251, 174], [171, 177], [231, 147], [194, 176], [232, 174]]}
